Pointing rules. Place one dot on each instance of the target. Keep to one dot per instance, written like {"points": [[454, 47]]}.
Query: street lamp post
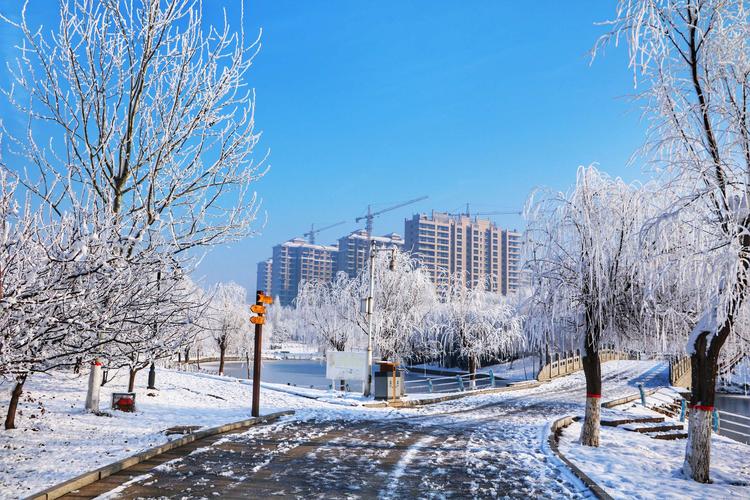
{"points": [[368, 311], [369, 304]]}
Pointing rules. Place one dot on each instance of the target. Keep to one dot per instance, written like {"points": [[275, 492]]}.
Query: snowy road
{"points": [[482, 446]]}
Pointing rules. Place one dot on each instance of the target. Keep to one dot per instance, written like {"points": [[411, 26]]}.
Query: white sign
{"points": [[346, 365]]}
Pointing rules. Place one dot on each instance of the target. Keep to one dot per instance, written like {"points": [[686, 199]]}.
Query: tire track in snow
{"points": [[400, 468]]}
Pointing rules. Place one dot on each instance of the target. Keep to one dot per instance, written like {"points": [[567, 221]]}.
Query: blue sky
{"points": [[378, 102]]}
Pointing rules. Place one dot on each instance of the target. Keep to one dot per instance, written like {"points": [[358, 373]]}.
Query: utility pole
{"points": [[369, 304], [368, 311], [259, 320]]}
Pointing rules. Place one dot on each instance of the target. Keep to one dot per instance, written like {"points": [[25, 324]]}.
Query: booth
{"points": [[389, 381]]}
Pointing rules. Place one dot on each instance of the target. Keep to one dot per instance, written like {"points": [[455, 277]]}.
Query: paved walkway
{"points": [[486, 446]]}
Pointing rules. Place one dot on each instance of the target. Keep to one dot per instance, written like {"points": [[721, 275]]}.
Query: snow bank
{"points": [[631, 465]]}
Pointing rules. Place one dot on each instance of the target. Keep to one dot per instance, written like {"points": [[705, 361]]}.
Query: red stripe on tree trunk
{"points": [[594, 396]]}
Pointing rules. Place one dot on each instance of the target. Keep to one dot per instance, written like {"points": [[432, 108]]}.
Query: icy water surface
{"points": [[302, 373]]}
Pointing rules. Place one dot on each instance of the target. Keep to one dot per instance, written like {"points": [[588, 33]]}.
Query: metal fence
{"points": [[451, 383], [734, 425], [725, 423]]}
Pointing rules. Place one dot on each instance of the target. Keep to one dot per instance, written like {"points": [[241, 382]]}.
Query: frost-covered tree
{"points": [[403, 296], [228, 318], [60, 278], [328, 309], [485, 324], [145, 108], [692, 58], [280, 324], [157, 319], [140, 111], [582, 252], [473, 323]]}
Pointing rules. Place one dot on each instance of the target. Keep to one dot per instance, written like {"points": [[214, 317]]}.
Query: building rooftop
{"points": [[361, 234], [303, 243]]}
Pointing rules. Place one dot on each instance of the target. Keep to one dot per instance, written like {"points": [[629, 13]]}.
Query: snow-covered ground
{"points": [[487, 444], [633, 465], [56, 439]]}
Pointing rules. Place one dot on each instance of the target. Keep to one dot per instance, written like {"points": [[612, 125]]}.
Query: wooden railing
{"points": [[680, 373], [680, 369], [571, 362]]}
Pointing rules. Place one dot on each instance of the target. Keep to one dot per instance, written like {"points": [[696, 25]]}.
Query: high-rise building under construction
{"points": [[296, 261], [473, 250]]}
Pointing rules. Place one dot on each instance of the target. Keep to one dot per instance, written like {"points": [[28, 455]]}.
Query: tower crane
{"points": [[312, 232], [370, 215]]}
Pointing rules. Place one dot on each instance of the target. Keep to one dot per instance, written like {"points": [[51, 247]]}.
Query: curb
{"points": [[555, 431], [628, 399], [439, 399], [561, 423], [106, 471]]}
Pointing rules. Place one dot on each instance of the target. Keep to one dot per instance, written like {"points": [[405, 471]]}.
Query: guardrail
{"points": [[725, 423], [572, 362], [213, 359], [456, 383], [733, 425]]}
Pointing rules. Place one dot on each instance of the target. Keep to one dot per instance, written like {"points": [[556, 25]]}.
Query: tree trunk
{"points": [[131, 379], [105, 377], [541, 361], [77, 366], [704, 366], [187, 354], [342, 385], [698, 449], [593, 370], [472, 372], [10, 419], [222, 351]]}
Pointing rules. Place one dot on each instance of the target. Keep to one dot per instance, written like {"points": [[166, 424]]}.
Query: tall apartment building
{"points": [[265, 270], [511, 254], [473, 250], [296, 261], [354, 250]]}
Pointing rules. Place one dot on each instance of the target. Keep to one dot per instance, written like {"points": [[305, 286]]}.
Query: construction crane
{"points": [[312, 232], [496, 212], [370, 215]]}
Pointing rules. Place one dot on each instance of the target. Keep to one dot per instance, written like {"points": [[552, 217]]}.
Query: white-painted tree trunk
{"points": [[590, 429], [698, 450], [95, 383]]}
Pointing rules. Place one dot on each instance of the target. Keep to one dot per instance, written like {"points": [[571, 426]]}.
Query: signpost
{"points": [[259, 309]]}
